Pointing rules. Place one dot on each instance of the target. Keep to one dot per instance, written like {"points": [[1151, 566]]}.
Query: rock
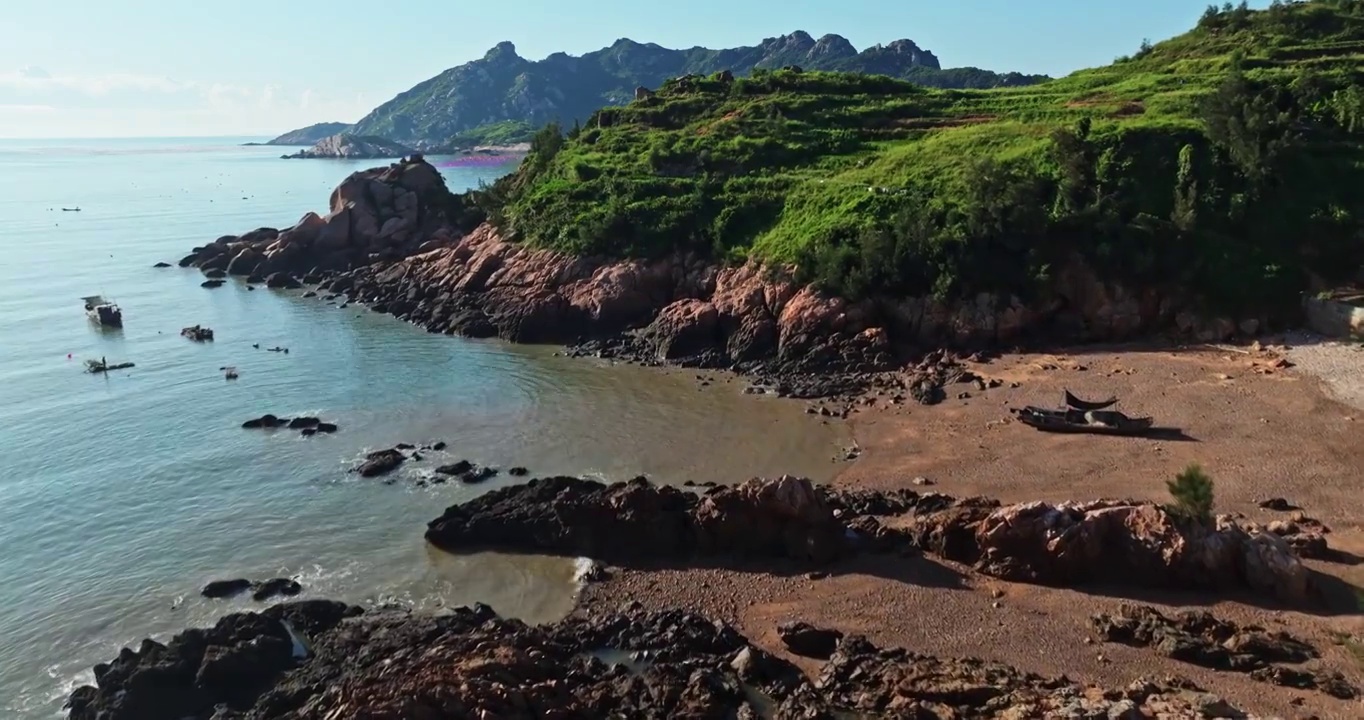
{"points": [[215, 274], [1123, 543], [266, 421], [438, 445], [211, 283], [1277, 504], [469, 663], [518, 472], [225, 588], [456, 468], [324, 427], [805, 639], [635, 521], [275, 587], [308, 432], [299, 423], [1201, 639], [380, 462], [281, 280], [162, 265]]}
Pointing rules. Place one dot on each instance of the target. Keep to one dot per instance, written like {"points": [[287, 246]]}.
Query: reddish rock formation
{"points": [[637, 521], [396, 239], [1129, 544], [1126, 543]]}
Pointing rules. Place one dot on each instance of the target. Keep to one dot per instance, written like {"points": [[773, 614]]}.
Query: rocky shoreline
{"points": [[320, 660], [398, 241]]}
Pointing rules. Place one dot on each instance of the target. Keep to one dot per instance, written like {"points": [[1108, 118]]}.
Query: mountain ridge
{"points": [[502, 86]]}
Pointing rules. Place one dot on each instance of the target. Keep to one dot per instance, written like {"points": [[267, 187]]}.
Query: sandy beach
{"points": [[1273, 422]]}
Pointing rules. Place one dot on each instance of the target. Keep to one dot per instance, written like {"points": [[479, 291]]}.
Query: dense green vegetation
{"points": [[1225, 162], [507, 132], [502, 86]]}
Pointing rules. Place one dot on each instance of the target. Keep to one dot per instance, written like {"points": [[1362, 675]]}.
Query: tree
{"points": [[1185, 215], [1245, 124], [1192, 492]]}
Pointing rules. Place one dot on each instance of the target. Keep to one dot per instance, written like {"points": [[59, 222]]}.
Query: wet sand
{"points": [[1259, 431]]}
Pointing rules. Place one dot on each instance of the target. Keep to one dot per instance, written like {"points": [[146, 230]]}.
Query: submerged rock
{"points": [[266, 421], [225, 588], [381, 462]]}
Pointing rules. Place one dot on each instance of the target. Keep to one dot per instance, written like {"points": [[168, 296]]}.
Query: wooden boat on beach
{"points": [[1082, 416]]}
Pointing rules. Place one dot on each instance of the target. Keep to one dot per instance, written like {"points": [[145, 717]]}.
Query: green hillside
{"points": [[503, 88], [1225, 161]]}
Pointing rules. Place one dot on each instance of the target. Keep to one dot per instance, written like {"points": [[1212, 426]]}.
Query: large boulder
{"points": [[784, 517], [685, 328]]}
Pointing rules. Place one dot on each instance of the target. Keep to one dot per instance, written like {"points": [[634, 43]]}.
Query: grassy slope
{"points": [[872, 184]]}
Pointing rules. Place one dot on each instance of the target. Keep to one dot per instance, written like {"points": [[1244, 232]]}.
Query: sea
{"points": [[122, 494]]}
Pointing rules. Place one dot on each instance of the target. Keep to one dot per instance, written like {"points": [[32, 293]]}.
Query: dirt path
{"points": [[1258, 429]]}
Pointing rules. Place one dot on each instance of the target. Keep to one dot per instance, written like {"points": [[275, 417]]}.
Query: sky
{"points": [[166, 68]]}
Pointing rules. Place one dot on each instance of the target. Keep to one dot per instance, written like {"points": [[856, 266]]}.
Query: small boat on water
{"points": [[1082, 416], [103, 312], [102, 365], [198, 333], [230, 372]]}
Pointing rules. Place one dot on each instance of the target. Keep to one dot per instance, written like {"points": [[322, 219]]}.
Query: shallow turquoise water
{"points": [[121, 496]]}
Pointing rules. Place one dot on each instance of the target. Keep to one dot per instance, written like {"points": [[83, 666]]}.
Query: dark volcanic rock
{"points": [[518, 471], [225, 588], [326, 427], [805, 639], [380, 462], [637, 521], [299, 423], [456, 468], [281, 280], [275, 587], [266, 421], [392, 665], [215, 274], [162, 265], [1199, 638], [211, 283]]}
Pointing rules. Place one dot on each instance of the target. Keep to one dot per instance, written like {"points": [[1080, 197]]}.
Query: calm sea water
{"points": [[120, 496]]}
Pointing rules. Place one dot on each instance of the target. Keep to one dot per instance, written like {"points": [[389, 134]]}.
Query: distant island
{"points": [[347, 145], [502, 98]]}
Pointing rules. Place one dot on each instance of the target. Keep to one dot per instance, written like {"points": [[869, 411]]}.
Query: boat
{"points": [[103, 312], [198, 333], [102, 365], [1083, 416], [230, 373]]}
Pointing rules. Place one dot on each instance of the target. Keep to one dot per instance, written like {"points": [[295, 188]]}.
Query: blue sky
{"points": [[94, 68]]}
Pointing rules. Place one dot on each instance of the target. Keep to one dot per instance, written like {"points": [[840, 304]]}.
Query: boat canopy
{"points": [[94, 300], [1078, 404]]}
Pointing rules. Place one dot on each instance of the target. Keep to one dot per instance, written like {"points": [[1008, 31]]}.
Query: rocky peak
{"points": [[798, 41], [832, 47], [502, 51], [917, 55]]}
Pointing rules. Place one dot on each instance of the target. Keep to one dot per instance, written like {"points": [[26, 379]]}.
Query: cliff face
{"points": [[398, 241], [346, 145], [502, 86]]}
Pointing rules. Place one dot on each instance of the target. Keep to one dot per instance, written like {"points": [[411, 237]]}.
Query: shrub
{"points": [[1192, 493]]}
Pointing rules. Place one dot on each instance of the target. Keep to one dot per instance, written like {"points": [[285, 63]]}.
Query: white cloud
{"points": [[37, 103], [37, 80]]}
